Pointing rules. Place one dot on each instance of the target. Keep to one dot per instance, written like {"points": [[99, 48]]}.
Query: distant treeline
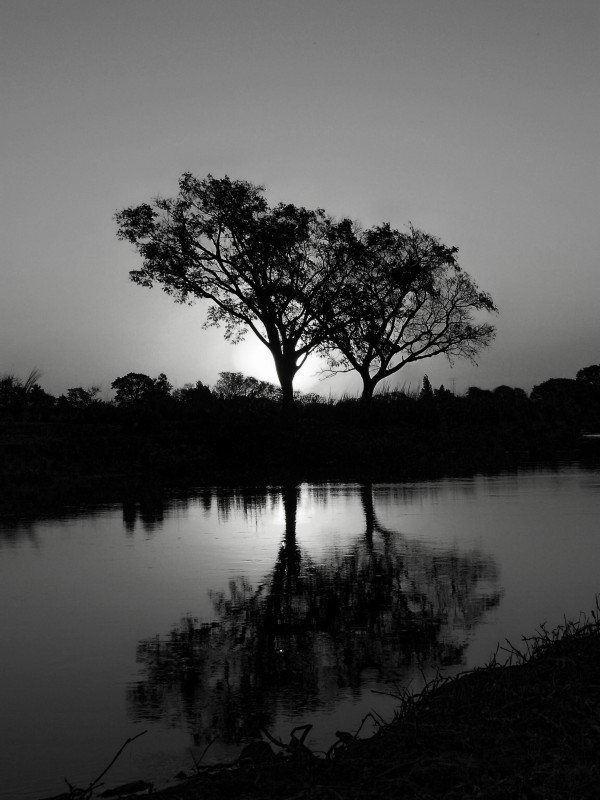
{"points": [[143, 402], [78, 448]]}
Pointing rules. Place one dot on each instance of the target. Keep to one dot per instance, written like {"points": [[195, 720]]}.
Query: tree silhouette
{"points": [[235, 384], [407, 300], [135, 388], [589, 375], [23, 400], [387, 603], [273, 271], [80, 399], [193, 400]]}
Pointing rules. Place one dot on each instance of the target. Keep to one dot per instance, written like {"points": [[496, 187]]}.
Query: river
{"points": [[203, 618]]}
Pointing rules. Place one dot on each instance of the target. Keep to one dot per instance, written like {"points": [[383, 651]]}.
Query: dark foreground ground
{"points": [[527, 730]]}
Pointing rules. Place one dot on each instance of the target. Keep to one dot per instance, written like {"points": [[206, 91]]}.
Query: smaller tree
{"points": [[80, 398], [476, 393], [131, 388], [136, 388], [407, 300], [426, 389], [235, 384], [441, 393], [192, 400], [510, 394], [192, 393], [589, 375], [557, 391], [22, 399]]}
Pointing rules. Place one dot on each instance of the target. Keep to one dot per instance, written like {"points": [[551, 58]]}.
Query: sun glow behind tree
{"points": [[303, 282], [273, 271]]}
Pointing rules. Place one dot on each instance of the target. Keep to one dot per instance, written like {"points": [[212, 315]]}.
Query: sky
{"points": [[476, 120]]}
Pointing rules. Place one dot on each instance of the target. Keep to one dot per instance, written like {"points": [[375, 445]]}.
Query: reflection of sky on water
{"points": [[301, 640], [78, 594], [381, 589]]}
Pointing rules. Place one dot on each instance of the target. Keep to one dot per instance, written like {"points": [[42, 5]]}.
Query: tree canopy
{"points": [[235, 384], [406, 299], [301, 281], [273, 271], [589, 375], [135, 387]]}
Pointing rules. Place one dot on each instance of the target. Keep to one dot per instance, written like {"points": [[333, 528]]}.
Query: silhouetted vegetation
{"points": [[273, 271], [63, 449], [370, 301], [23, 400], [406, 299]]}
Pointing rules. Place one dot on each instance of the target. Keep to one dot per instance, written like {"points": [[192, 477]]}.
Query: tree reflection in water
{"points": [[386, 607]]}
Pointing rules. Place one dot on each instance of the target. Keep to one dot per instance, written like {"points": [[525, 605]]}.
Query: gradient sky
{"points": [[477, 120]]}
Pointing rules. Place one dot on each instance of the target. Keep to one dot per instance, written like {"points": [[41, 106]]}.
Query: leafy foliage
{"points": [[136, 387], [407, 300], [589, 375], [371, 301], [235, 384], [81, 398], [273, 271], [22, 400]]}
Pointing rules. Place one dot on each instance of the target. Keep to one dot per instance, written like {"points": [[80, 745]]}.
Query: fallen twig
{"points": [[85, 794]]}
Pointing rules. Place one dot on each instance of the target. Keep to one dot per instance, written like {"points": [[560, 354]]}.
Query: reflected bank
{"points": [[385, 609]]}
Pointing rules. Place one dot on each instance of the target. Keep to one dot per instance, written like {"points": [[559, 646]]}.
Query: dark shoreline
{"points": [[528, 728], [46, 468]]}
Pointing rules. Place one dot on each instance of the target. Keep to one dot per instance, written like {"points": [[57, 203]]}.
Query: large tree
{"points": [[271, 270], [407, 299]]}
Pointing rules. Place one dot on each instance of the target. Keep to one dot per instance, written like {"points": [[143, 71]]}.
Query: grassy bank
{"points": [[529, 728], [45, 467]]}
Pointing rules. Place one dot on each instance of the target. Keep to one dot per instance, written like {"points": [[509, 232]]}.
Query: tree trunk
{"points": [[286, 372], [287, 567], [366, 496], [287, 395], [290, 505], [366, 398]]}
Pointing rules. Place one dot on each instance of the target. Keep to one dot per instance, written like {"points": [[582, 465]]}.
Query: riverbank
{"points": [[526, 729], [49, 467]]}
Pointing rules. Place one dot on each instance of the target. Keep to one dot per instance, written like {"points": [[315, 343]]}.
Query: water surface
{"points": [[202, 619]]}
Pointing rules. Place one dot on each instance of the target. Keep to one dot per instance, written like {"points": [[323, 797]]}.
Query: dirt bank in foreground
{"points": [[529, 729]]}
